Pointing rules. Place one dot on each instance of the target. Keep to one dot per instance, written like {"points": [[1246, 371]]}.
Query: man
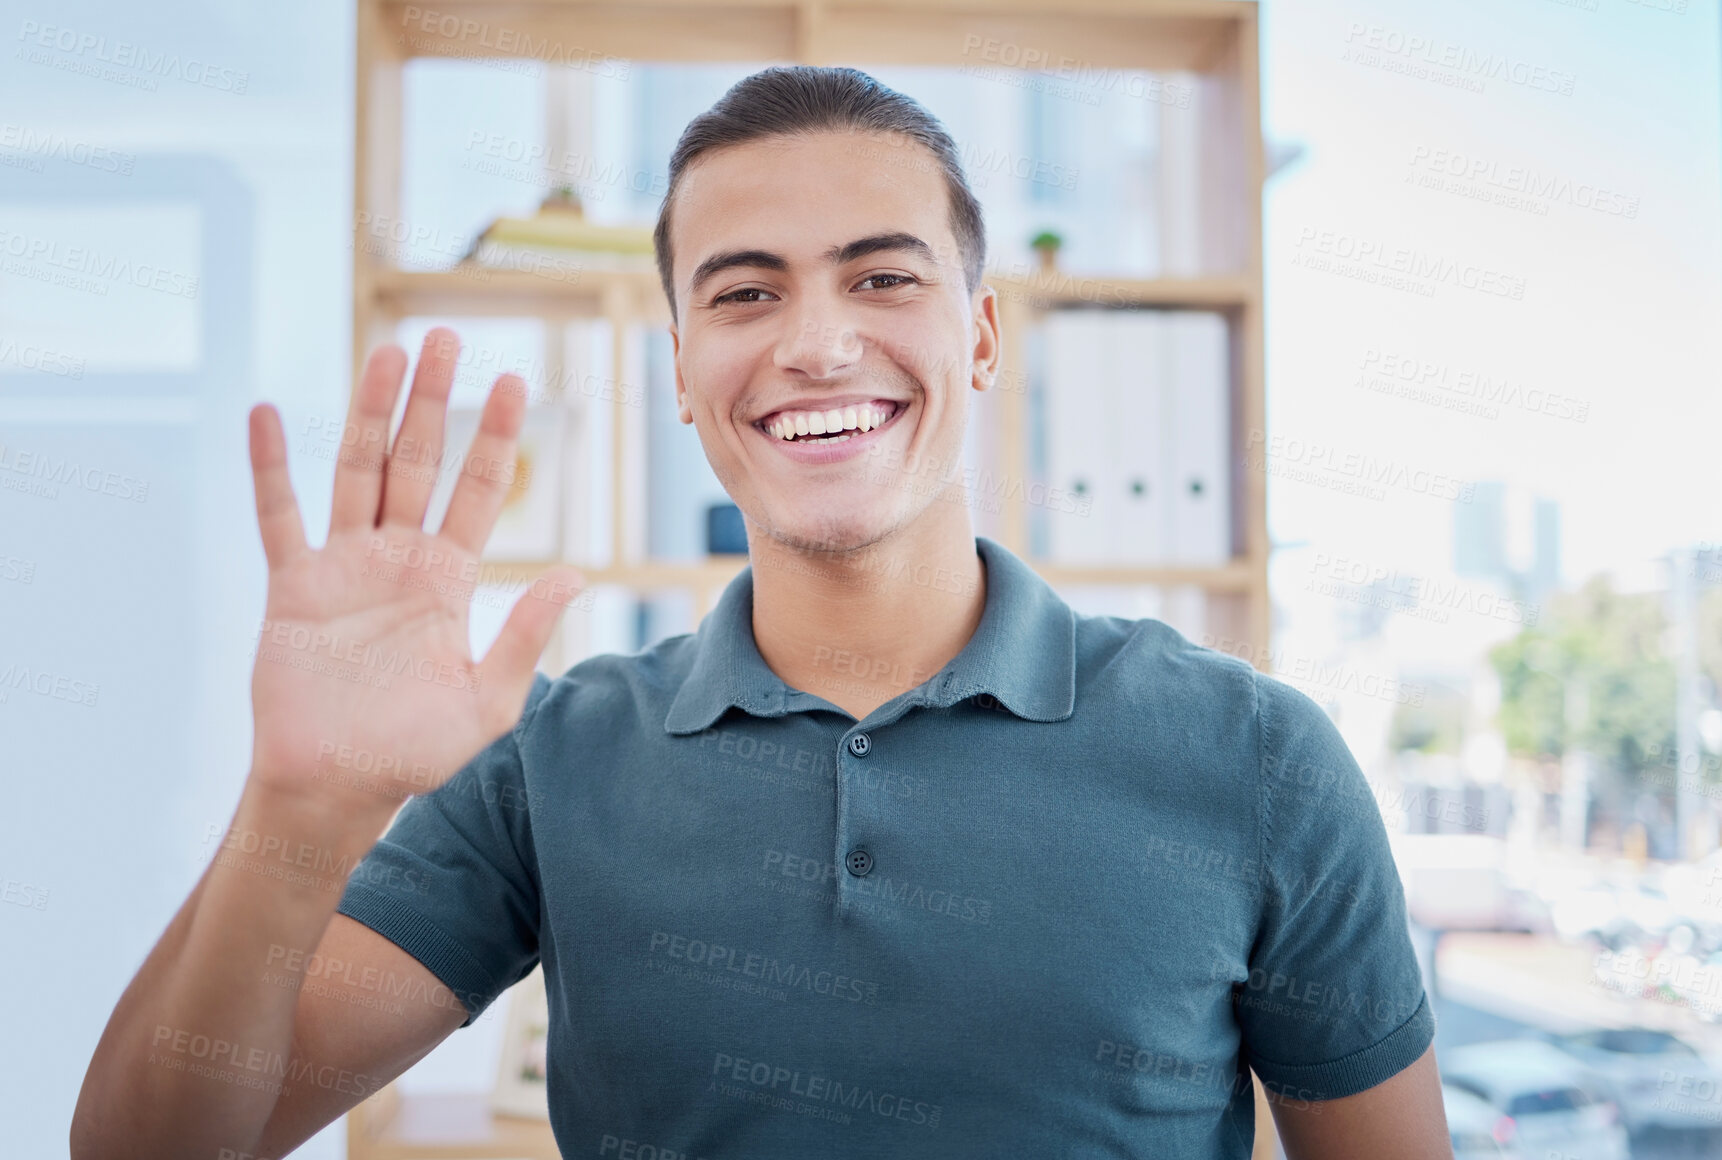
{"points": [[895, 856]]}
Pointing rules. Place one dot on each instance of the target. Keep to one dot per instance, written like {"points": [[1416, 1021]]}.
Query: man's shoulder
{"points": [[1147, 652], [1153, 652]]}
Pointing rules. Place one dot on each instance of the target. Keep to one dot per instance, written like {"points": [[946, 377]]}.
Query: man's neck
{"points": [[859, 628]]}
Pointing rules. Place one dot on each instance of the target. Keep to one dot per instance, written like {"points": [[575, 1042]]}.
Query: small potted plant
{"points": [[1046, 244], [563, 197]]}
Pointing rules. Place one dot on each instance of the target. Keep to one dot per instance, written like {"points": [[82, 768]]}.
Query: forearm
{"points": [[199, 1047]]}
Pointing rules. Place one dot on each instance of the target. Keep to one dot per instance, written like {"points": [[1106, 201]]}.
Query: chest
{"points": [[963, 920]]}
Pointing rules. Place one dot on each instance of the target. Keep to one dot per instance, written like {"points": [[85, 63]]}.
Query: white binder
{"points": [[1199, 392], [1137, 412], [1137, 429], [1078, 447]]}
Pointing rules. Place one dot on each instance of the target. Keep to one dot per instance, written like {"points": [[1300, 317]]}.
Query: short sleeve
{"points": [[454, 880], [1334, 1003]]}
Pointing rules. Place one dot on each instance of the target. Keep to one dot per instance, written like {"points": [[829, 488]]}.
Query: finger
{"points": [[416, 457], [359, 460], [487, 472], [277, 511], [505, 674]]}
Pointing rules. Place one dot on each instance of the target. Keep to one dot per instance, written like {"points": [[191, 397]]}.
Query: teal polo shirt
{"points": [[1053, 901]]}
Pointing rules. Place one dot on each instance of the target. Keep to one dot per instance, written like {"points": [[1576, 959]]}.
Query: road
{"points": [[1457, 1024]]}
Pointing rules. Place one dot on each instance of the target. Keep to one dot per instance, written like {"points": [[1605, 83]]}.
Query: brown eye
{"points": [[735, 295], [900, 279]]}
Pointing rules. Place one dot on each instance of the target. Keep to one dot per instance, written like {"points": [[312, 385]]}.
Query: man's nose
{"points": [[818, 342]]}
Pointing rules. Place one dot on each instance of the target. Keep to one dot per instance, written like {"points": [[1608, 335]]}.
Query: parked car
{"points": [[1543, 1100], [1658, 1081], [1471, 1124]]}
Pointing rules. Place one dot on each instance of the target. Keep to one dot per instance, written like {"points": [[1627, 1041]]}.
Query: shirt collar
{"points": [[1023, 653]]}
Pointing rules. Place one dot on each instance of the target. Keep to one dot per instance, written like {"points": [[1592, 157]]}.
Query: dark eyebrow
{"points": [[718, 263], [861, 247], [836, 255]]}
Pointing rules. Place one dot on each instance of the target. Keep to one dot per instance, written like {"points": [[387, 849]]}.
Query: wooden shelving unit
{"points": [[443, 1126], [1217, 40]]}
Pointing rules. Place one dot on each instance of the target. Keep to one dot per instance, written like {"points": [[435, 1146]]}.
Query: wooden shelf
{"points": [[1211, 44], [1073, 40], [492, 291], [470, 289], [1062, 289], [1162, 35], [396, 1125]]}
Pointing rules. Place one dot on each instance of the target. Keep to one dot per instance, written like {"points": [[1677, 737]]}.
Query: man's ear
{"points": [[683, 411], [988, 344]]}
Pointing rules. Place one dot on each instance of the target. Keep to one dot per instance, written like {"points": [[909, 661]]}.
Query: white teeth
{"points": [[858, 418]]}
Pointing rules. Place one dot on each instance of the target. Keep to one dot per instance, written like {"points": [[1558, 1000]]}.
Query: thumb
{"points": [[505, 674]]}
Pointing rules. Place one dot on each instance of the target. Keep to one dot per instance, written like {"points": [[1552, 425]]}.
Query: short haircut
{"points": [[787, 100]]}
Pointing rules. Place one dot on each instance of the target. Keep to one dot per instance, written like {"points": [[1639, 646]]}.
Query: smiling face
{"points": [[819, 289]]}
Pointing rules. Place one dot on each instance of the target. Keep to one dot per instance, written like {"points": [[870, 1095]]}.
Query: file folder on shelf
{"points": [[1137, 411], [1078, 449], [1135, 382], [1198, 386]]}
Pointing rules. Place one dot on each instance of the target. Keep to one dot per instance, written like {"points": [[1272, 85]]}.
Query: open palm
{"points": [[365, 689]]}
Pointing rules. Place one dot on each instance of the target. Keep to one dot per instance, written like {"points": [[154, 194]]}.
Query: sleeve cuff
{"points": [[1357, 1072], [441, 955]]}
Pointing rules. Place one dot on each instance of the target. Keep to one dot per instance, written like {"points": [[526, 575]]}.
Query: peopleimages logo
{"points": [[1477, 173], [43, 359], [44, 683], [1378, 262], [821, 1089], [49, 470], [178, 1049], [1311, 460], [85, 52], [1435, 598], [501, 40], [1430, 58], [770, 970], [1455, 388], [1311, 673], [83, 268], [59, 147], [881, 886]]}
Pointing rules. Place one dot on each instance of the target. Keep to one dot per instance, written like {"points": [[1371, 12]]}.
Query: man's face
{"points": [[818, 276]]}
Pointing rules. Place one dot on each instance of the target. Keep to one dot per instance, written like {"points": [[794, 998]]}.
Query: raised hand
{"points": [[365, 689]]}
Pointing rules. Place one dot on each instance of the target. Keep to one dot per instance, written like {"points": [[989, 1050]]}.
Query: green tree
{"points": [[1612, 648], [1435, 726]]}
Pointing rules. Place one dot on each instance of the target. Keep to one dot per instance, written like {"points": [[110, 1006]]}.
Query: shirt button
{"points": [[860, 862], [859, 745]]}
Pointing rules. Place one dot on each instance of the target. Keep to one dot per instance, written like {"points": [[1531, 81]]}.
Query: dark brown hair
{"points": [[793, 99]]}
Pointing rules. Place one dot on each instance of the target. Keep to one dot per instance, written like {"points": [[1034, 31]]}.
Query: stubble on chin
{"points": [[832, 541]]}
